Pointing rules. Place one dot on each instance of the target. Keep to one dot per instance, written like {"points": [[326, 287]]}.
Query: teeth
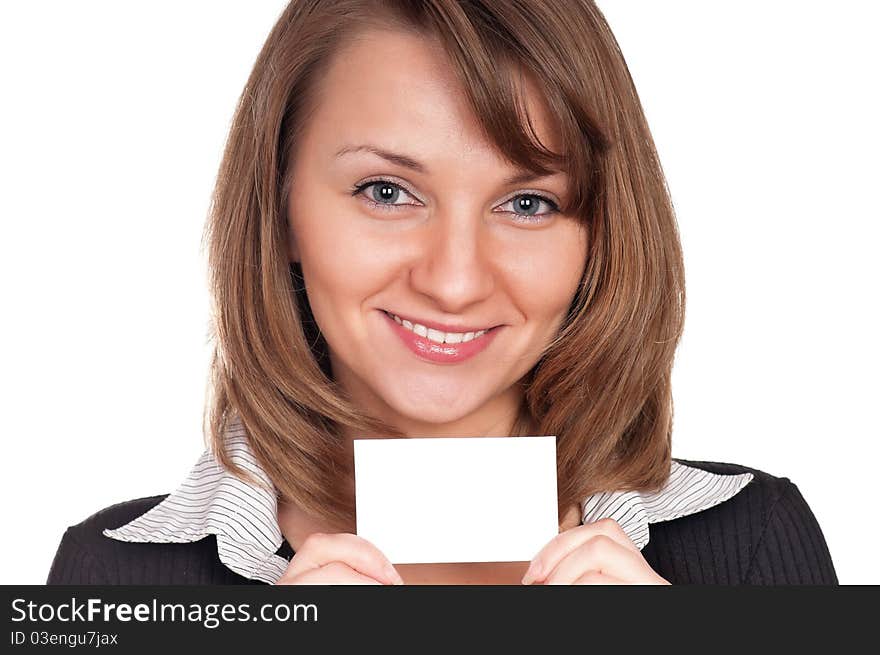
{"points": [[436, 335]]}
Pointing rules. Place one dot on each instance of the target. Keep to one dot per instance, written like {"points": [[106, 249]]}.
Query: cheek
{"points": [[344, 261], [544, 278], [323, 256]]}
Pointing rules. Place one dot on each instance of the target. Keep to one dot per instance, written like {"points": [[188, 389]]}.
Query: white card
{"points": [[456, 499]]}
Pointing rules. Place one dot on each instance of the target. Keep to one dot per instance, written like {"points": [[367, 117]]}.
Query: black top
{"points": [[765, 534]]}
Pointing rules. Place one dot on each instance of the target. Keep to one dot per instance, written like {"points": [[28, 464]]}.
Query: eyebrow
{"points": [[400, 159]]}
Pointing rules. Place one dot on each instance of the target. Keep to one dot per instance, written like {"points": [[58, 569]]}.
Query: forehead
{"points": [[399, 88]]}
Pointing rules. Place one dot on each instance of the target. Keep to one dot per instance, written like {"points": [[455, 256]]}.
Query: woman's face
{"points": [[400, 207]]}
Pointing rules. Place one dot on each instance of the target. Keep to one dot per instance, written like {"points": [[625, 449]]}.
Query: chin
{"points": [[436, 408]]}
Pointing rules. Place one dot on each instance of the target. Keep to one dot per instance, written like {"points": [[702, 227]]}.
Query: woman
{"points": [[445, 218]]}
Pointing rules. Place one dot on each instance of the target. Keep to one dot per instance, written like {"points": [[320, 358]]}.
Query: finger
{"points": [[565, 542], [602, 554], [320, 549], [598, 577], [332, 573]]}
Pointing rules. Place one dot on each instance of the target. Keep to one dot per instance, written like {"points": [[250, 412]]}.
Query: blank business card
{"points": [[456, 499]]}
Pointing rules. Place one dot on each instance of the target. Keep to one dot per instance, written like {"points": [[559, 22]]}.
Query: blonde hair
{"points": [[602, 386]]}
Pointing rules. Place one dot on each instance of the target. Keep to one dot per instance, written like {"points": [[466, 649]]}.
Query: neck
{"points": [[494, 419]]}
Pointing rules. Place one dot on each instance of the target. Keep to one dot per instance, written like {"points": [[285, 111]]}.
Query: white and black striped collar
{"points": [[243, 517]]}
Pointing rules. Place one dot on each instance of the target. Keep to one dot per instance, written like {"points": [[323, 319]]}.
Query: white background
{"points": [[114, 115]]}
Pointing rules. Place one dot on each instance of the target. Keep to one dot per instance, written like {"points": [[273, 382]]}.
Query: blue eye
{"points": [[526, 206], [384, 194]]}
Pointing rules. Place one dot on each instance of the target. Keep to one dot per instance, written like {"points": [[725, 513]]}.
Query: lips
{"points": [[439, 333], [440, 346]]}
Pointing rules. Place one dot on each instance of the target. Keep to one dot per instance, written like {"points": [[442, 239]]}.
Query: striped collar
{"points": [[244, 518]]}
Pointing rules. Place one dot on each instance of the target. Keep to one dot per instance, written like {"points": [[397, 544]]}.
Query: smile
{"points": [[436, 335], [440, 346]]}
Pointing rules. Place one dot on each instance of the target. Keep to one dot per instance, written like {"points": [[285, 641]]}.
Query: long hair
{"points": [[602, 386]]}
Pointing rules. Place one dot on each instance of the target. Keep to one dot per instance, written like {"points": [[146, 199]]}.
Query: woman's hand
{"points": [[595, 553], [341, 558]]}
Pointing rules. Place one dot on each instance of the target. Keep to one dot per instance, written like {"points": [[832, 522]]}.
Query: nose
{"points": [[453, 268]]}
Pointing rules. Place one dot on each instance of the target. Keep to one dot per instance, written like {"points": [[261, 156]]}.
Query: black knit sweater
{"points": [[765, 534]]}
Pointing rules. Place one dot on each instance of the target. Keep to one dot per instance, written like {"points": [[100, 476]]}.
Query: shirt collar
{"points": [[212, 501], [244, 517]]}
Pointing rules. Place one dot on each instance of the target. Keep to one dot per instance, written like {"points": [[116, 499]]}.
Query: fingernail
{"points": [[393, 574], [532, 573]]}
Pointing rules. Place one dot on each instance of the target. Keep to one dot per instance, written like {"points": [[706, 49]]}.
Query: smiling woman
{"points": [[428, 222], [445, 218]]}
